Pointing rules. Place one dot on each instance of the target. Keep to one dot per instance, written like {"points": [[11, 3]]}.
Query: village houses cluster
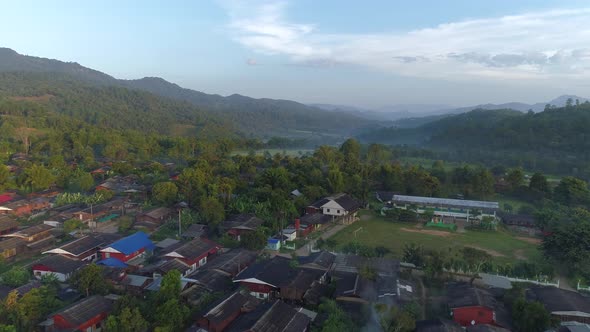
{"points": [[262, 291]]}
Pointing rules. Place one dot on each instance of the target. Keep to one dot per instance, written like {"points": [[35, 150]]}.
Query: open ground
{"points": [[502, 245]]}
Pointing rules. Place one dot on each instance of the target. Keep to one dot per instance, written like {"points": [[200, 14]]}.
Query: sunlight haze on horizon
{"points": [[388, 52]]}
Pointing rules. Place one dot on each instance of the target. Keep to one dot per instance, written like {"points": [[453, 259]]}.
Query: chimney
{"points": [[297, 224]]}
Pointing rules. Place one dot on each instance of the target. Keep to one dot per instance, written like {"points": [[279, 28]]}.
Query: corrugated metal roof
{"points": [[132, 243], [446, 202]]}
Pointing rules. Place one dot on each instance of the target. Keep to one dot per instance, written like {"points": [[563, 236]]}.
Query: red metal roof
{"points": [[5, 198]]}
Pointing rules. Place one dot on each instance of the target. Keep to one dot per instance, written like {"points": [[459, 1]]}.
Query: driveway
{"points": [[326, 234]]}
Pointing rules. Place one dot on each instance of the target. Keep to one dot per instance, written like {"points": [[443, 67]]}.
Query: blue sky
{"points": [[365, 53]]}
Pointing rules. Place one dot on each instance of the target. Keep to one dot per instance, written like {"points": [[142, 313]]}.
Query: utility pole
{"points": [[179, 223]]}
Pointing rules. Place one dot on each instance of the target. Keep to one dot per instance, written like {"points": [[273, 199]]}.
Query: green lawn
{"points": [[376, 231]]}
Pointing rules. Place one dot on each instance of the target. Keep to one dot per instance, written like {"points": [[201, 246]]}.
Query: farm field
{"points": [[504, 246]]}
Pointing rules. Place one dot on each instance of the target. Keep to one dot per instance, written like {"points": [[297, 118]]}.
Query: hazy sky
{"points": [[367, 53]]}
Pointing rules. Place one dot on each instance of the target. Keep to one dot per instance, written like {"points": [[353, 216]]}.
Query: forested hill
{"points": [[112, 107], [557, 131], [259, 117]]}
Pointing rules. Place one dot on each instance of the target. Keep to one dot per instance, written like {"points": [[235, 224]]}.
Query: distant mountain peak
{"points": [[10, 51]]}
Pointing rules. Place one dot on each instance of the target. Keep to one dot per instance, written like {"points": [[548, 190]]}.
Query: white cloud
{"points": [[530, 46]]}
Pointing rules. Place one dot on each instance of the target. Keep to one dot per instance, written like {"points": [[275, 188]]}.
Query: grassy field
{"points": [[374, 231]]}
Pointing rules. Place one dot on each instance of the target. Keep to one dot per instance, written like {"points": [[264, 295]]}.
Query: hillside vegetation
{"points": [[34, 76], [555, 140]]}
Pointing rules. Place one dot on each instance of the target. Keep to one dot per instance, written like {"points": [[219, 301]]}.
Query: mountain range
{"points": [[253, 117], [413, 115], [261, 118]]}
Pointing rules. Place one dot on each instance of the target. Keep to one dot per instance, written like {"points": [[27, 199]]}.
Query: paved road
{"points": [[326, 234]]}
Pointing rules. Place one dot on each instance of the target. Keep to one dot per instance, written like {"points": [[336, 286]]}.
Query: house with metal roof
{"points": [[7, 224], [223, 312], [282, 317], [193, 254], [278, 278], [85, 248], [564, 305], [128, 248], [61, 267], [87, 314], [472, 306], [340, 207], [237, 225]]}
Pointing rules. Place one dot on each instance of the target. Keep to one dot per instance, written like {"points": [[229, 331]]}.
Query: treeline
{"points": [[555, 140]]}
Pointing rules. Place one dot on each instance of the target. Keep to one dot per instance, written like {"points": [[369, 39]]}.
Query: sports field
{"points": [[373, 230]]}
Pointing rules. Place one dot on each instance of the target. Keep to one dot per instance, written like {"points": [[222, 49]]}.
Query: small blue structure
{"points": [[112, 262], [273, 244]]}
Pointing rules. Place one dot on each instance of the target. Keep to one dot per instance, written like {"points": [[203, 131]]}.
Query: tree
{"points": [[37, 177], [475, 258], [569, 244], [572, 191], [71, 225], [89, 280], [255, 240], [129, 320], [4, 177], [413, 254], [16, 276], [530, 316], [351, 149], [212, 212], [79, 181], [337, 320], [165, 192], [170, 287], [539, 184], [515, 178], [171, 315], [335, 179], [394, 319]]}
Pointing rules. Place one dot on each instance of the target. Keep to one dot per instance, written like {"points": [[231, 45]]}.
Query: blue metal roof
{"points": [[112, 262], [133, 243]]}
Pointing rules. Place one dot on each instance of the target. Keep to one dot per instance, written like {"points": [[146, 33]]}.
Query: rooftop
{"points": [[158, 213], [212, 280], [247, 221], [193, 249], [60, 264], [281, 317], [30, 231], [11, 243], [344, 200], [82, 311], [319, 260], [233, 261], [78, 246], [7, 223], [315, 218], [446, 202], [224, 309], [555, 299], [276, 271], [131, 243]]}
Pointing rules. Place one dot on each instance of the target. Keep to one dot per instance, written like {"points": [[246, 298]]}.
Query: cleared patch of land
{"points": [[427, 231], [504, 246]]}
